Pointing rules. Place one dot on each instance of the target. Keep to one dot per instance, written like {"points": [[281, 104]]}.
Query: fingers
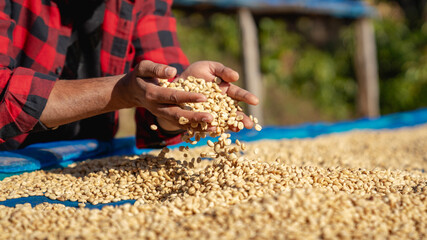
{"points": [[242, 95], [155, 70], [173, 125], [174, 113], [247, 122], [172, 96], [225, 73]]}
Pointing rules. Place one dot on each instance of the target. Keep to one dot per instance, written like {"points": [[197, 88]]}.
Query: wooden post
{"points": [[251, 62], [366, 69]]}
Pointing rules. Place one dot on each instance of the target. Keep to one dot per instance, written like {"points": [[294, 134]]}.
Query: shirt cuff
{"points": [[23, 101], [39, 127]]}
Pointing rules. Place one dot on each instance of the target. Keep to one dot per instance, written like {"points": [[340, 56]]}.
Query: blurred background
{"points": [[307, 61]]}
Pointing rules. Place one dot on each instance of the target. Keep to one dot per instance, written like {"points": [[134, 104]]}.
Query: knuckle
{"points": [[173, 98], [144, 66], [176, 115], [145, 62], [197, 117], [244, 94], [157, 68], [140, 68], [150, 95]]}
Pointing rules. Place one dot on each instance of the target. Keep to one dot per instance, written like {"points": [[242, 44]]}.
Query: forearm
{"points": [[72, 100]]}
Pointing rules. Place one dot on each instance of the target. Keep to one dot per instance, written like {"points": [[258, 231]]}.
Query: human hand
{"points": [[209, 70], [140, 88]]}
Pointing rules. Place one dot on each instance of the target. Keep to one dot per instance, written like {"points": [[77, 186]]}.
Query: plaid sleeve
{"points": [[23, 92], [155, 39]]}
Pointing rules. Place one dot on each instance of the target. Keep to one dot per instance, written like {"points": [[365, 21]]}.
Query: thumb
{"points": [[225, 73], [151, 69]]}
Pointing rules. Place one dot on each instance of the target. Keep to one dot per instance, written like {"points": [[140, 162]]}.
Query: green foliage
{"points": [[414, 11], [215, 37], [310, 72], [402, 65]]}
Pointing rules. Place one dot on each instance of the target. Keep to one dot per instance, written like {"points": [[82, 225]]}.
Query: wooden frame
{"points": [[366, 66], [251, 64]]}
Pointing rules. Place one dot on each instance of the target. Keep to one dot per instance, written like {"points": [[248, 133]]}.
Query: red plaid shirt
{"points": [[32, 55]]}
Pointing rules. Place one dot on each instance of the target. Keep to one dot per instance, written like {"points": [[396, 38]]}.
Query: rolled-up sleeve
{"points": [[155, 39], [23, 92]]}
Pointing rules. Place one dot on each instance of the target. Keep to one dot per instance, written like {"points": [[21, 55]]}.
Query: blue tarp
{"points": [[337, 8], [61, 154], [36, 200]]}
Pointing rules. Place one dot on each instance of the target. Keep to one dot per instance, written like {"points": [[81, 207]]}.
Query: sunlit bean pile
{"points": [[357, 185]]}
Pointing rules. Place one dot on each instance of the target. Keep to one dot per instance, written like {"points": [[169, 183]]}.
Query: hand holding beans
{"points": [[140, 89]]}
